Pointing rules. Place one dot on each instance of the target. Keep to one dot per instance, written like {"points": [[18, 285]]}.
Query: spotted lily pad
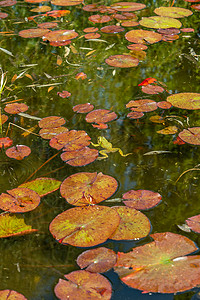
{"points": [[83, 285], [122, 61], [18, 152], [84, 226], [88, 188], [127, 6], [191, 135], [11, 295], [193, 223], [19, 200], [33, 32], [51, 122], [100, 116], [173, 12], [143, 105], [15, 108], [12, 225], [81, 157], [141, 199], [161, 266], [141, 36], [98, 260], [160, 22], [185, 100]]}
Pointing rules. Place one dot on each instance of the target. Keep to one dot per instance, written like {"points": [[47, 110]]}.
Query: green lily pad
{"points": [[160, 22], [173, 12], [191, 135], [88, 188], [12, 225], [127, 6], [43, 186], [161, 266], [83, 285], [193, 223], [122, 61], [185, 100], [141, 36], [85, 226], [133, 224], [11, 295], [98, 260]]}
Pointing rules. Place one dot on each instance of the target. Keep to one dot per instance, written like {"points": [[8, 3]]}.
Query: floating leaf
{"points": [[15, 108], [147, 81], [161, 266], [57, 13], [81, 75], [81, 157], [143, 105], [83, 285], [178, 141], [85, 226], [135, 115], [130, 23], [187, 29], [98, 260], [91, 7], [3, 15], [12, 225], [133, 224], [168, 30], [92, 35], [18, 152], [6, 3], [152, 89], [137, 47], [42, 186], [83, 108], [125, 16], [191, 135], [164, 104], [64, 94], [49, 133], [141, 36], [3, 119], [11, 295], [5, 142], [157, 119], [122, 61], [100, 19], [88, 188], [169, 37], [90, 29], [19, 200], [51, 122], [141, 199], [127, 6], [193, 223], [48, 25], [112, 29], [168, 130], [33, 32], [160, 22], [60, 35], [43, 8], [66, 2], [185, 100], [100, 116], [100, 126], [173, 12]]}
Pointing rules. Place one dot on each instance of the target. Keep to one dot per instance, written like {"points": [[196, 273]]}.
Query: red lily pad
{"points": [[18, 152], [15, 108], [92, 35], [83, 108], [71, 140], [143, 105], [19, 200], [3, 15], [64, 94], [88, 188], [5, 142], [185, 100], [161, 266], [160, 22], [48, 25], [83, 285], [51, 122], [100, 116], [100, 19], [135, 115], [191, 135], [164, 104], [81, 157], [137, 47], [178, 141], [141, 36], [172, 12], [6, 3], [3, 119], [133, 224], [33, 32], [12, 225], [66, 2], [127, 6], [60, 35], [49, 133], [152, 89], [85, 226], [11, 295], [141, 199], [90, 29], [98, 260], [42, 186], [193, 223], [122, 61], [112, 29]]}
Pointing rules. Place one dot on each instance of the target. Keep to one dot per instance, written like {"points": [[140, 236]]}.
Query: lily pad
{"points": [[15, 108], [6, 3], [60, 35], [152, 89], [83, 285], [100, 116], [83, 108], [127, 6], [18, 152], [168, 130], [66, 2], [92, 35], [33, 32], [122, 61], [172, 12], [49, 133], [161, 266], [164, 104], [5, 142], [3, 15], [51, 122], [41, 9], [84, 226], [137, 47], [135, 115], [143, 105], [43, 186], [98, 260], [48, 25], [191, 135], [90, 29], [185, 100], [141, 199], [11, 295], [12, 225], [63, 94], [130, 23], [81, 157], [88, 188], [100, 19], [112, 29], [193, 223], [58, 13], [133, 224], [141, 36], [19, 200], [3, 119], [160, 22]]}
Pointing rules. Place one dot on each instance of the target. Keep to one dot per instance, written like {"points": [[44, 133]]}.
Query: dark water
{"points": [[33, 264]]}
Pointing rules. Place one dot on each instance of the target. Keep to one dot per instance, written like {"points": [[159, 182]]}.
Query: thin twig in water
{"points": [[192, 169]]}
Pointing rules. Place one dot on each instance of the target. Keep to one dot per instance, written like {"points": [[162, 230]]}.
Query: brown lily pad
{"points": [[137, 47], [168, 31], [11, 295], [191, 135], [83, 108], [193, 223], [100, 116], [143, 105], [160, 22], [185, 100], [3, 119], [90, 29], [15, 108], [152, 89], [122, 61], [81, 157], [141, 199], [18, 152], [91, 7], [33, 32], [127, 6], [51, 122], [92, 35], [141, 36], [135, 115], [172, 12], [88, 188], [48, 25], [112, 29], [100, 19], [49, 133]]}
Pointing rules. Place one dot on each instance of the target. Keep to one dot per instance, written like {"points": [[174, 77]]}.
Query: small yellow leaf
{"points": [[59, 60], [73, 49], [50, 88], [29, 129], [29, 76], [89, 53], [14, 78]]}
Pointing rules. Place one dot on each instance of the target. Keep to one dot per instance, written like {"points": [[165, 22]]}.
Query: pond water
{"points": [[32, 264]]}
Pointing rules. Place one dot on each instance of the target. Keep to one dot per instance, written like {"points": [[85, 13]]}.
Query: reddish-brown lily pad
{"points": [[185, 100], [58, 13], [12, 225], [193, 223], [88, 188], [5, 142], [100, 19], [130, 23], [92, 35], [3, 119], [49, 133], [11, 295], [81, 157], [168, 31], [137, 47], [164, 104], [161, 266], [122, 61], [141, 36], [85, 226], [33, 32], [48, 25], [42, 186], [90, 29], [98, 260], [141, 199], [172, 12], [143, 105], [160, 22], [133, 224], [19, 200], [7, 3], [135, 115], [100, 116], [83, 285], [191, 135], [60, 35], [71, 140], [66, 2], [152, 89], [83, 108], [15, 108], [18, 152], [127, 6], [3, 15], [51, 122], [112, 29], [91, 7]]}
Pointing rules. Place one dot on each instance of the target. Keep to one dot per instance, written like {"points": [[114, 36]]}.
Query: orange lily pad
{"points": [[15, 108], [83, 108], [122, 61], [152, 89], [11, 295], [135, 115], [66, 2], [191, 135], [100, 19], [3, 119], [168, 130], [100, 116], [43, 8], [164, 104], [18, 152], [90, 29], [33, 32], [81, 157], [60, 35], [185, 100], [141, 36], [137, 47], [92, 35], [58, 13], [51, 122]]}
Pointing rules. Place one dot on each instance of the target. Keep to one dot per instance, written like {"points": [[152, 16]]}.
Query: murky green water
{"points": [[32, 264]]}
